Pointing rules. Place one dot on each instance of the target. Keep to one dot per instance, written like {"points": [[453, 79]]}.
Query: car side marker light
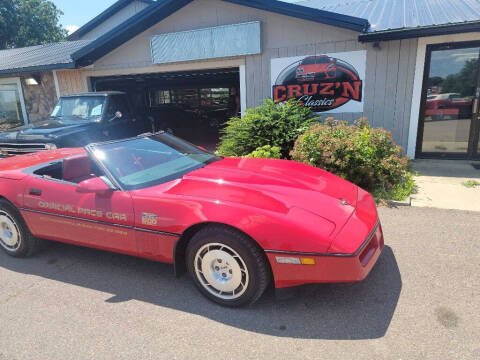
{"points": [[294, 260]]}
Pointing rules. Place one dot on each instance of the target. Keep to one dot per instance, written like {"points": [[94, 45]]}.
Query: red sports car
{"points": [[235, 224], [317, 68]]}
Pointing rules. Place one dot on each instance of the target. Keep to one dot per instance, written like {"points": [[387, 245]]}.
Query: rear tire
{"points": [[15, 238], [227, 266]]}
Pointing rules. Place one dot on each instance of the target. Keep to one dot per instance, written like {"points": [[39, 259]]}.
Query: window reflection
{"points": [[451, 89], [10, 107]]}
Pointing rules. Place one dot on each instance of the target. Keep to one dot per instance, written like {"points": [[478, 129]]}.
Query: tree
{"points": [[29, 22], [435, 81], [463, 82]]}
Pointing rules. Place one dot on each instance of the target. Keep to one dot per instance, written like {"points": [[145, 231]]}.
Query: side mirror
{"points": [[93, 186], [118, 115]]}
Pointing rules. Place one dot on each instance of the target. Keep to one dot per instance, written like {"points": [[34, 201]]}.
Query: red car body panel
{"points": [[320, 70], [288, 208], [330, 268], [448, 107]]}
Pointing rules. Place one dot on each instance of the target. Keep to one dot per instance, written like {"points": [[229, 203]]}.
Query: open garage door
{"points": [[194, 104]]}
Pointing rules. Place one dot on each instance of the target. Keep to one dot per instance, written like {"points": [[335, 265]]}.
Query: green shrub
{"points": [[266, 152], [365, 156], [271, 124], [399, 191]]}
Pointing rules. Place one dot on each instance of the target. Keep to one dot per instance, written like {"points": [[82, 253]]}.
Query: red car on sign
{"points": [[235, 224], [316, 68]]}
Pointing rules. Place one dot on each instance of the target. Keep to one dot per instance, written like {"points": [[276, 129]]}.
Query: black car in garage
{"points": [[77, 120]]}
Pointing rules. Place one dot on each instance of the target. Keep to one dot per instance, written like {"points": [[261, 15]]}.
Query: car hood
{"points": [[272, 185], [314, 67], [43, 131]]}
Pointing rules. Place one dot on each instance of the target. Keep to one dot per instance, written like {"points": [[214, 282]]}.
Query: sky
{"points": [[79, 12]]}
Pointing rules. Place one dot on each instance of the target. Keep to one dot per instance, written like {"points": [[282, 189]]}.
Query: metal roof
{"points": [[40, 57], [391, 15], [388, 20]]}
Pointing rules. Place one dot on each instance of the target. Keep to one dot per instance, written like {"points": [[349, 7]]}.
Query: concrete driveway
{"points": [[441, 184], [422, 301]]}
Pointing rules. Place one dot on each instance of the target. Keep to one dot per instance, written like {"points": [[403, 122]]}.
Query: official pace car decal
{"points": [[326, 83], [73, 210]]}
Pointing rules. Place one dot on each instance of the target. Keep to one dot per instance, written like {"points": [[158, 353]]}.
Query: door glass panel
{"points": [[478, 144], [10, 107], [451, 88]]}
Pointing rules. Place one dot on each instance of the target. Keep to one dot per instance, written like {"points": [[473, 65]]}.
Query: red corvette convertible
{"points": [[235, 224], [317, 68]]}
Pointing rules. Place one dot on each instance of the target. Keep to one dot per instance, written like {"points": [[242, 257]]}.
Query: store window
{"points": [[160, 97], [187, 97], [12, 107], [217, 97], [205, 97], [450, 116]]}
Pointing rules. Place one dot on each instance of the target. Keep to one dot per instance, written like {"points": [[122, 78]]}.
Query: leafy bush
{"points": [[399, 191], [266, 152], [271, 124], [365, 156]]}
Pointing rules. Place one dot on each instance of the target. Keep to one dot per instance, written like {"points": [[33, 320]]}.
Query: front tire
{"points": [[227, 266], [15, 238]]}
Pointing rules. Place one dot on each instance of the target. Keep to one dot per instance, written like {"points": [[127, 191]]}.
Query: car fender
{"points": [[12, 188], [295, 230]]}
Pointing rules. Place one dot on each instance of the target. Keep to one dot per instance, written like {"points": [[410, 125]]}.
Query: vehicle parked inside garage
{"points": [[193, 105], [77, 120], [235, 224]]}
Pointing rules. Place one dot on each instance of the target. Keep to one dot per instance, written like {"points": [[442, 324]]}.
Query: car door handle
{"points": [[35, 192]]}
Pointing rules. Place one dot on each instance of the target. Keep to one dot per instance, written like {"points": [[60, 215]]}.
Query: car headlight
{"points": [[50, 146], [300, 70]]}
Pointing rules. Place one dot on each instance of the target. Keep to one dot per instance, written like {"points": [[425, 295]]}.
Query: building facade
{"points": [[188, 62]]}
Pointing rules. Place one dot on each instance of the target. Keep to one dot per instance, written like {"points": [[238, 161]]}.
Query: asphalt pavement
{"points": [[421, 301]]}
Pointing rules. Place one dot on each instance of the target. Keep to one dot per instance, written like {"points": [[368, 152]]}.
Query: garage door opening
{"points": [[195, 105]]}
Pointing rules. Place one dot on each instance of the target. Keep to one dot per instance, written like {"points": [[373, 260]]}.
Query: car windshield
{"points": [[309, 61], [323, 60], [82, 108], [148, 161]]}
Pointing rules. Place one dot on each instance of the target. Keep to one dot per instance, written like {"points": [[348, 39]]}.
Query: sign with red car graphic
{"points": [[331, 83]]}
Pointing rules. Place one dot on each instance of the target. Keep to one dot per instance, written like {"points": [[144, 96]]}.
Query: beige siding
{"points": [[390, 68], [71, 82], [117, 19], [277, 31]]}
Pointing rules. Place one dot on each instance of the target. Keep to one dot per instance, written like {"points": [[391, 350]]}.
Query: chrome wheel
{"points": [[9, 233], [221, 271]]}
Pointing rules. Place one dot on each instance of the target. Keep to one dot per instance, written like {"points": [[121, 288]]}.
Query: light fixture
{"points": [[33, 80]]}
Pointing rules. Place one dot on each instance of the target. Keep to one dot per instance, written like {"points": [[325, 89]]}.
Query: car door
{"points": [[119, 127], [55, 210]]}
